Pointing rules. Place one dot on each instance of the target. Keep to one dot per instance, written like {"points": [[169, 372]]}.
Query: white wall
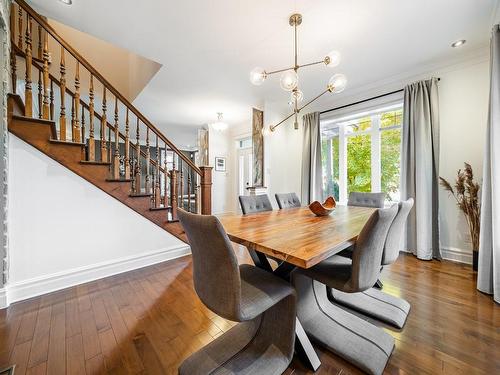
{"points": [[64, 230], [222, 182], [463, 96]]}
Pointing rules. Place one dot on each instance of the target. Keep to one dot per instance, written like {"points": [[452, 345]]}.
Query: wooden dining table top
{"points": [[296, 235]]}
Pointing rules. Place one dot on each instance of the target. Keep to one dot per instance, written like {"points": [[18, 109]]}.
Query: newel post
{"points": [[206, 190]]}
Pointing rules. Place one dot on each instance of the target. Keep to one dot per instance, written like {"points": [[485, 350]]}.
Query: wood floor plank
{"points": [[90, 338], [56, 362], [40, 345], [20, 356], [75, 358]]}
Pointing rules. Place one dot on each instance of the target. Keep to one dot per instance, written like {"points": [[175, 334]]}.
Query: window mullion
{"points": [[342, 166], [375, 159]]}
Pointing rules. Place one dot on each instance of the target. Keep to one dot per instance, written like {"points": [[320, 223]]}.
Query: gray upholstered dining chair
{"points": [[359, 199], [366, 199], [345, 334], [255, 203], [374, 302], [287, 200], [265, 306]]}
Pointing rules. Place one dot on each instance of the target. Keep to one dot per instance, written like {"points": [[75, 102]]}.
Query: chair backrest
{"points": [[367, 253], [395, 234], [366, 199], [216, 273], [255, 203], [287, 200]]}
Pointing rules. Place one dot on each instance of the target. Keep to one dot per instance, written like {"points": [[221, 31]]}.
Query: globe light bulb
{"points": [[258, 76], [332, 59], [337, 83], [289, 80], [266, 131]]}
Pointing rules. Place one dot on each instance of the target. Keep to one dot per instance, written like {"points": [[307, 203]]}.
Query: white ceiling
{"points": [[207, 48]]}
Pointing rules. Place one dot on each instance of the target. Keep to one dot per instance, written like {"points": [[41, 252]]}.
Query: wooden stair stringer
{"points": [[38, 133]]}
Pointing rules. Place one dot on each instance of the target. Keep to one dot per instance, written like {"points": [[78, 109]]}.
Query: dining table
{"points": [[292, 238]]}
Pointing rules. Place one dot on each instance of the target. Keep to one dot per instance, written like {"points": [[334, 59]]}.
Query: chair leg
{"points": [[379, 284], [262, 345], [350, 337]]}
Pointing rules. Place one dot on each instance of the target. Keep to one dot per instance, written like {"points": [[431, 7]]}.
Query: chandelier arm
{"points": [[310, 64], [314, 99], [272, 128], [297, 111], [278, 71]]}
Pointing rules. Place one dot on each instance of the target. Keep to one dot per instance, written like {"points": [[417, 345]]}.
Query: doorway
{"points": [[245, 165]]}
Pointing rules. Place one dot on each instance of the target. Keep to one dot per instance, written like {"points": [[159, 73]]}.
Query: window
{"points": [[362, 153]]}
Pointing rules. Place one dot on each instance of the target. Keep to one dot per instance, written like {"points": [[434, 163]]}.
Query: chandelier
{"points": [[289, 80]]}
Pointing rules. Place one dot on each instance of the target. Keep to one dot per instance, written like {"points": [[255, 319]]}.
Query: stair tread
{"points": [[94, 162], [58, 141], [160, 208], [33, 119], [139, 195], [118, 180]]}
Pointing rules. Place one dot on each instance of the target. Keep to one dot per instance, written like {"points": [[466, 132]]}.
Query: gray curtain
{"points": [[420, 167], [488, 279], [311, 159]]}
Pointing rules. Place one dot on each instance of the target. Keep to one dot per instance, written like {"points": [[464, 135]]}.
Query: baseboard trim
{"points": [[3, 298], [457, 255], [49, 283]]}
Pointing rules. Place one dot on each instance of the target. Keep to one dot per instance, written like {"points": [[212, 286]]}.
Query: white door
{"points": [[244, 170]]}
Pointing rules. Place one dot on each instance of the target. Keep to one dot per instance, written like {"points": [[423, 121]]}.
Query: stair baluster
{"points": [[127, 149], [45, 109], [83, 134], [40, 39], [20, 29], [28, 98], [76, 123], [116, 158], [157, 191], [173, 193], [104, 148], [165, 178], [181, 184], [51, 106], [62, 85], [137, 170], [148, 162], [13, 60], [91, 145], [72, 110], [40, 94]]}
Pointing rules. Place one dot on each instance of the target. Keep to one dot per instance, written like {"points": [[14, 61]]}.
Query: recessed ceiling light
{"points": [[458, 43], [67, 2]]}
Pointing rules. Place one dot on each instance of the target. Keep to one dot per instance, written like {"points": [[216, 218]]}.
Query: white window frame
{"points": [[375, 131]]}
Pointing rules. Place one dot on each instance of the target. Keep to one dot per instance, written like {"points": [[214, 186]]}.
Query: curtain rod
{"points": [[364, 100]]}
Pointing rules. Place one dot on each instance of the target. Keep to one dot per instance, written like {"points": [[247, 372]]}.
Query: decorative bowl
{"points": [[323, 209]]}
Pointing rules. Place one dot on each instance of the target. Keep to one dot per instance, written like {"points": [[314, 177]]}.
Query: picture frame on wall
{"points": [[220, 164]]}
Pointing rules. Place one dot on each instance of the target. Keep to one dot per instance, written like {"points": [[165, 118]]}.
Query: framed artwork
{"points": [[220, 164]]}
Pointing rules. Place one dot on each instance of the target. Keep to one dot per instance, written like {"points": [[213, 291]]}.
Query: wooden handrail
{"points": [[105, 82]]}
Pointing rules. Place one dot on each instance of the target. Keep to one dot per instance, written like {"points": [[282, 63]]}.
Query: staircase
{"points": [[66, 115]]}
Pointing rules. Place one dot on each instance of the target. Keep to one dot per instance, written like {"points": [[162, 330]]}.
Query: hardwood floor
{"points": [[147, 321]]}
